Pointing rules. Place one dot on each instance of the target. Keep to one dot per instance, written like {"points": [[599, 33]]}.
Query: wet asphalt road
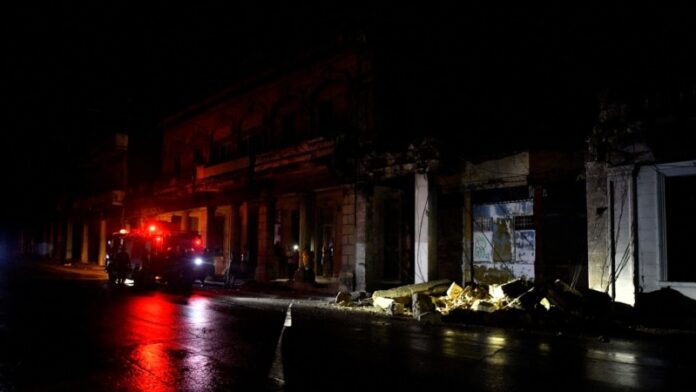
{"points": [[69, 334]]}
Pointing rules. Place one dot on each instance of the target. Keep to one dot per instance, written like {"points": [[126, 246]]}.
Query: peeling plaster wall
{"points": [[597, 224], [623, 237], [496, 173], [600, 214], [501, 252], [650, 225], [506, 172]]}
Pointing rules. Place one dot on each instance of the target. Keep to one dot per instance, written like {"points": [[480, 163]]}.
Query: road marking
{"points": [[288, 316], [277, 372]]}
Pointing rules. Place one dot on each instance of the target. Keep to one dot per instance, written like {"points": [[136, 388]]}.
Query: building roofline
{"points": [[254, 79]]}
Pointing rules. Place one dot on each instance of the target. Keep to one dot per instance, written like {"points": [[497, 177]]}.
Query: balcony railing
{"points": [[302, 152]]}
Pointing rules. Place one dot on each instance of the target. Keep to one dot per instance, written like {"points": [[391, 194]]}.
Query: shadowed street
{"points": [[82, 334]]}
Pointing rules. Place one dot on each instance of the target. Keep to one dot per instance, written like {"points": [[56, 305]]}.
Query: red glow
{"points": [[198, 242], [150, 321], [153, 227], [158, 239], [158, 329]]}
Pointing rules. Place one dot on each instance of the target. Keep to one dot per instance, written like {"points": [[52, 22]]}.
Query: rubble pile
{"points": [[515, 303]]}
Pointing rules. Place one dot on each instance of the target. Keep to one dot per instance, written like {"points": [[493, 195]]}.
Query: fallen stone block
{"points": [[344, 298], [514, 288], [358, 295], [477, 291], [381, 302], [395, 309], [526, 301], [483, 306], [564, 297], [403, 294], [421, 304]]}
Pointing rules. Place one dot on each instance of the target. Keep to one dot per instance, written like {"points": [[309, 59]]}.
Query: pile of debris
{"points": [[518, 302]]}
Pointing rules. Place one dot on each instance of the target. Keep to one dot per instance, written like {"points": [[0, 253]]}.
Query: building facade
{"points": [[308, 155], [258, 170], [641, 184]]}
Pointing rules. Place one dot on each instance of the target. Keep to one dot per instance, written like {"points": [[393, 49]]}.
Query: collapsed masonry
{"points": [[517, 302]]}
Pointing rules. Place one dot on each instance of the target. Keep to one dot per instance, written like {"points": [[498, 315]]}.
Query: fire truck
{"points": [[158, 254]]}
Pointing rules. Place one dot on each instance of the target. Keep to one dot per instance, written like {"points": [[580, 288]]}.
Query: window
{"points": [[222, 151], [287, 132], [326, 118], [525, 222], [679, 230]]}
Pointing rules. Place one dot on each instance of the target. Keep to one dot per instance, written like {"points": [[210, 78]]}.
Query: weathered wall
{"points": [[652, 258], [450, 228], [597, 225]]}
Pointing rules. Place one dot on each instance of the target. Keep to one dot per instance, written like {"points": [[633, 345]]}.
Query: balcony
{"points": [[302, 152], [102, 201], [236, 165]]}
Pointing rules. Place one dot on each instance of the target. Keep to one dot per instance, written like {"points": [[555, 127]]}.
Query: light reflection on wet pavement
{"points": [[64, 335]]}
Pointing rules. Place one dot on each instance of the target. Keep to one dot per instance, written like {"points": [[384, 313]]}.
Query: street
{"points": [[59, 333]]}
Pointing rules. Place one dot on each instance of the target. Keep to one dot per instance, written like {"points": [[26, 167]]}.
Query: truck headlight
{"points": [[198, 261]]}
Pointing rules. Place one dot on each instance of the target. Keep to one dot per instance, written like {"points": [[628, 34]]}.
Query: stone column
{"points": [[69, 241], [265, 241], [344, 245], [359, 275], [468, 241], [227, 232], [84, 256], [306, 226], [235, 232], [243, 225], [425, 230], [597, 225], [102, 242]]}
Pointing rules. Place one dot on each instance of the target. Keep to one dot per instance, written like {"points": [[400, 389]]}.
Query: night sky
{"points": [[74, 73]]}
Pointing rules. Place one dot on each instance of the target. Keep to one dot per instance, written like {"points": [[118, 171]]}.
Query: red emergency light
{"points": [[153, 228]]}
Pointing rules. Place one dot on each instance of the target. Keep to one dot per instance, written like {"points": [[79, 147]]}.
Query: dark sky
{"points": [[72, 73]]}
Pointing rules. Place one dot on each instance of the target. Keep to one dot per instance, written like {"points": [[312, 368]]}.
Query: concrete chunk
{"points": [[344, 298], [483, 306], [381, 302], [403, 294], [420, 304]]}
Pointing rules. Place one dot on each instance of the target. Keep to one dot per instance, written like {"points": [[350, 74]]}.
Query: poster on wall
{"points": [[497, 237], [525, 245], [482, 246]]}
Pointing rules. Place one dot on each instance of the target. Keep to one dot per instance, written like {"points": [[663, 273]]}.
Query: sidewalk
{"points": [[324, 292], [323, 287]]}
